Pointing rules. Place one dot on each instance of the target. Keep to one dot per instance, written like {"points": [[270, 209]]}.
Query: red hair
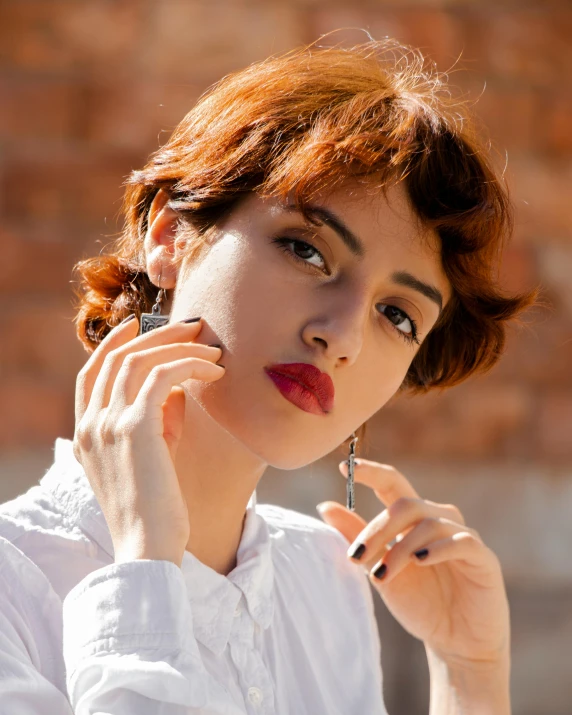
{"points": [[303, 122]]}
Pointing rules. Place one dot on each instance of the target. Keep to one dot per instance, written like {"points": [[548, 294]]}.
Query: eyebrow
{"points": [[354, 244], [408, 280], [336, 224]]}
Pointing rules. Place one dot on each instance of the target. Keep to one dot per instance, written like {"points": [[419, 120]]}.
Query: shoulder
{"points": [[299, 529], [321, 591], [315, 553], [18, 573], [30, 615], [38, 527]]}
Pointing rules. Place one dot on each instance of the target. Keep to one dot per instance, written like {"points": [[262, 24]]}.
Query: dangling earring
{"points": [[350, 485], [150, 321]]}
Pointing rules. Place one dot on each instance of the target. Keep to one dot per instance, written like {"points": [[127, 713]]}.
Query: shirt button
{"points": [[255, 695]]}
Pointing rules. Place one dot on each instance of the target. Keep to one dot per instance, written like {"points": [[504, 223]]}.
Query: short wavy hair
{"points": [[305, 121]]}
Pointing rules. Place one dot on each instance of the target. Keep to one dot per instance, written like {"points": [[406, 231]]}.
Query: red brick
{"points": [[137, 115], [556, 267], [555, 425], [66, 185], [541, 195], [245, 32], [508, 117], [34, 411], [65, 35], [39, 339], [434, 31], [519, 270], [555, 125], [539, 353], [528, 45], [473, 420], [33, 264], [36, 108]]}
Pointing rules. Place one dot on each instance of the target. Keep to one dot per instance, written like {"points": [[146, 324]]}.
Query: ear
{"points": [[159, 241]]}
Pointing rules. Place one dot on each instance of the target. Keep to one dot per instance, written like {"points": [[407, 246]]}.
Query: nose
{"points": [[339, 333]]}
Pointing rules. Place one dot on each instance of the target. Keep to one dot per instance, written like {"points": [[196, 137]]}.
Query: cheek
{"points": [[254, 315], [239, 291], [371, 386]]}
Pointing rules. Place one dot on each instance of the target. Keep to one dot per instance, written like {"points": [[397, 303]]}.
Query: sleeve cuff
{"points": [[128, 606]]}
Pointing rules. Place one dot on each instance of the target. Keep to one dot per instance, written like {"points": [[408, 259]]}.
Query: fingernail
{"points": [[380, 572], [422, 553], [215, 345], [190, 320], [357, 552], [128, 318], [321, 508]]}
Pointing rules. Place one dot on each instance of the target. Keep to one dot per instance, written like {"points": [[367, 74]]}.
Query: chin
{"points": [[280, 435]]}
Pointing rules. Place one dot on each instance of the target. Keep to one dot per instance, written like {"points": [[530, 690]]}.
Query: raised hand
{"points": [[129, 414], [438, 578]]}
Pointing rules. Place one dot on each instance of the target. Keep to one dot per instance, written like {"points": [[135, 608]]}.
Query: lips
{"points": [[309, 377]]}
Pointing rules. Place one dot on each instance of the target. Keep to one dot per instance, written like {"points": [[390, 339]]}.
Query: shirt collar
{"points": [[213, 597]]}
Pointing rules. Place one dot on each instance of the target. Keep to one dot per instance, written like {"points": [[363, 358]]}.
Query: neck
{"points": [[217, 475]]}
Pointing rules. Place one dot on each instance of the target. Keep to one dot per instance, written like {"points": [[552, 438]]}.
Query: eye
{"points": [[304, 248], [401, 322]]}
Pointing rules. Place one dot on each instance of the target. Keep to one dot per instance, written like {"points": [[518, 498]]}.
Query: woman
{"points": [[324, 225]]}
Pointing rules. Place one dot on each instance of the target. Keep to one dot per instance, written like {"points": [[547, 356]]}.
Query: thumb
{"points": [[173, 419], [347, 522]]}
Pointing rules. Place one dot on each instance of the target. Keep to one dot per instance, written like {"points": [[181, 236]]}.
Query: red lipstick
{"points": [[304, 386]]}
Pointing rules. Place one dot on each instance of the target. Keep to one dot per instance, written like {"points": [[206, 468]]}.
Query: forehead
{"points": [[377, 215]]}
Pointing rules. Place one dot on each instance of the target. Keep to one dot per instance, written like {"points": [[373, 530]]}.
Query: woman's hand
{"points": [[452, 598], [129, 417]]}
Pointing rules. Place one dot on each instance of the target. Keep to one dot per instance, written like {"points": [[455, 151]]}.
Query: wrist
{"points": [[126, 556], [459, 687], [151, 550]]}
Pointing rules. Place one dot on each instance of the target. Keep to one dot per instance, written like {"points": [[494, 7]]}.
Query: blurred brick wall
{"points": [[88, 89]]}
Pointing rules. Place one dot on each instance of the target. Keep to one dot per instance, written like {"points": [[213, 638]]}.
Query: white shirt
{"points": [[290, 631]]}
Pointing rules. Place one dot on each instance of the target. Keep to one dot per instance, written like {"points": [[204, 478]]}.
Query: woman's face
{"points": [[353, 296]]}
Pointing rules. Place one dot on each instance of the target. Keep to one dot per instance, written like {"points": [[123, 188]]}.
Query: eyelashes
{"points": [[394, 315]]}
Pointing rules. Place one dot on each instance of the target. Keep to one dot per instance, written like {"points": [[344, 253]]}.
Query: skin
{"points": [[158, 404]]}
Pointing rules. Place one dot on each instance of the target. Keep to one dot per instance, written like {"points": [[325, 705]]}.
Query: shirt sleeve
{"points": [[129, 647]]}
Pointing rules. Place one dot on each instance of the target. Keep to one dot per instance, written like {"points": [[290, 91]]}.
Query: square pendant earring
{"points": [[154, 319], [350, 502]]}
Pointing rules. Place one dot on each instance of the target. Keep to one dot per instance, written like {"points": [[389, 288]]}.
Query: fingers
{"points": [[111, 359], [348, 523], [163, 378], [437, 537], [87, 375], [388, 543], [136, 366], [462, 545], [399, 517], [387, 483]]}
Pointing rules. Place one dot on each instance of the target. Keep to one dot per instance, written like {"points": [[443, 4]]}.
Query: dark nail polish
{"points": [[128, 318], [357, 553], [189, 320], [380, 572], [221, 365], [215, 345], [422, 553]]}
